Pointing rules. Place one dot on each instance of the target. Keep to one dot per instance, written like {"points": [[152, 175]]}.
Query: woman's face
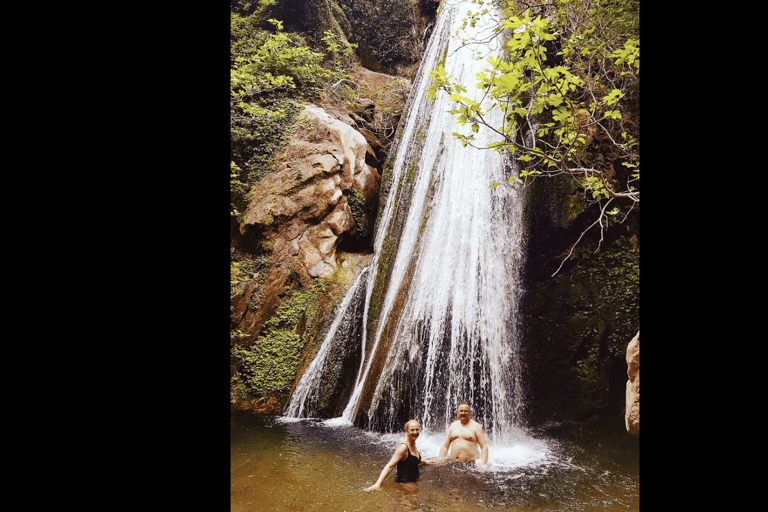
{"points": [[412, 429]]}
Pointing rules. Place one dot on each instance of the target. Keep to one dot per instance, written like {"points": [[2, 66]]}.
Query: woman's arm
{"points": [[400, 454]]}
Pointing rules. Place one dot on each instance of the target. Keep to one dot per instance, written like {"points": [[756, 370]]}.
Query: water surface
{"points": [[311, 465]]}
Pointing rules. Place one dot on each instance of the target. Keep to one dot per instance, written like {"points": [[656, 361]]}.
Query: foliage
{"points": [[272, 74], [270, 364], [568, 86]]}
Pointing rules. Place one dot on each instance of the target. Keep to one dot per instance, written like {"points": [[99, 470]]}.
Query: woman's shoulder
{"points": [[402, 448]]}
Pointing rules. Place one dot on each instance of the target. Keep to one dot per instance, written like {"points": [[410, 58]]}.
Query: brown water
{"points": [[310, 466]]}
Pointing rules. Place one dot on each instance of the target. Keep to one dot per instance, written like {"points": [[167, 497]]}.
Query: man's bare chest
{"points": [[462, 432]]}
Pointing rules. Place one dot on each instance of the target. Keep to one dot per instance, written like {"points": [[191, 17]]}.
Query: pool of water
{"points": [[287, 465]]}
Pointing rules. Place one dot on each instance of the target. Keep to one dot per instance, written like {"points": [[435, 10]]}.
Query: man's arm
{"points": [[483, 446], [446, 445]]}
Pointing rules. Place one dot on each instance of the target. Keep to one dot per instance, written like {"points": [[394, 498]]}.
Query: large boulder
{"points": [[632, 416], [306, 197]]}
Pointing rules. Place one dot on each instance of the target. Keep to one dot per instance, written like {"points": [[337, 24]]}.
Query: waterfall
{"points": [[439, 322], [307, 388]]}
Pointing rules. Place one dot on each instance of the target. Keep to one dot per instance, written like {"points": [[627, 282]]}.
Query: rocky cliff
{"points": [[578, 320], [390, 34], [306, 231]]}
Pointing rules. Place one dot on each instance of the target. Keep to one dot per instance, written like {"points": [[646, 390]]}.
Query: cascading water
{"points": [[440, 308], [305, 396]]}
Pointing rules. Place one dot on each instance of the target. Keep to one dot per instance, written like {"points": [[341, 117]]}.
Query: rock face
{"points": [[576, 322], [390, 34], [311, 213], [307, 196], [632, 417], [301, 211]]}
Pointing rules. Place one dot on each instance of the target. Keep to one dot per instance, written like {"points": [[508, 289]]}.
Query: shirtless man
{"points": [[464, 437]]}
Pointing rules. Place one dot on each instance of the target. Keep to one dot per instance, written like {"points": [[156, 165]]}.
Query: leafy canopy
{"points": [[568, 86]]}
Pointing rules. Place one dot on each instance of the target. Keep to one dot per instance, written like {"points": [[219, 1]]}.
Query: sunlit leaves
{"points": [[566, 74], [561, 115], [596, 186], [613, 98], [506, 84], [439, 81], [629, 54]]}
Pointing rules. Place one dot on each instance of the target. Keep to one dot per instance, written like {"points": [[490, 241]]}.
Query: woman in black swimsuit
{"points": [[406, 457]]}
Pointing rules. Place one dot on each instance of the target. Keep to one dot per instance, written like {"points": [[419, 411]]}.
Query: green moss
{"points": [[254, 270], [300, 303], [412, 169], [578, 325], [362, 213], [255, 266], [269, 366]]}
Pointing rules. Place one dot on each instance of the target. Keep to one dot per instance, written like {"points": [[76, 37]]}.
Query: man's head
{"points": [[463, 412]]}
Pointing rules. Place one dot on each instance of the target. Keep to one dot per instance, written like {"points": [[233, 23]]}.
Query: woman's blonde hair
{"points": [[411, 421]]}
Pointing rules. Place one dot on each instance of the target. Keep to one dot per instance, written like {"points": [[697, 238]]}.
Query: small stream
{"points": [[281, 464]]}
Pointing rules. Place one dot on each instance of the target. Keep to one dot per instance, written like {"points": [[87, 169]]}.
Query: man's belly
{"points": [[463, 450]]}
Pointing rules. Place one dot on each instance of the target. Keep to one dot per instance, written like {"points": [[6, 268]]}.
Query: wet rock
{"points": [[632, 416]]}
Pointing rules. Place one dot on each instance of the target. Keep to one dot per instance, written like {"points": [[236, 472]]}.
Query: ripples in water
{"points": [[280, 464]]}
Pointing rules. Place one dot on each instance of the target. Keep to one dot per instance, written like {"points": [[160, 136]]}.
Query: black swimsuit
{"points": [[408, 469]]}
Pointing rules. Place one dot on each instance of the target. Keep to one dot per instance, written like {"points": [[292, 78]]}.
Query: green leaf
{"points": [[555, 99], [506, 83], [561, 115]]}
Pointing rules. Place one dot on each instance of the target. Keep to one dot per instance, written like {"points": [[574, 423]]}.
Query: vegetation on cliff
{"points": [[272, 74], [266, 368], [577, 325]]}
